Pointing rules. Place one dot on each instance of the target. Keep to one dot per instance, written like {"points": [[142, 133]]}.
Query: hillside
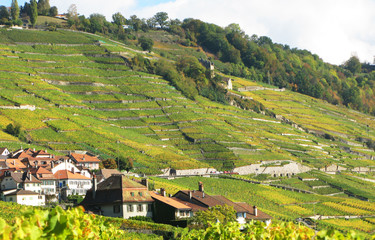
{"points": [[74, 91]]}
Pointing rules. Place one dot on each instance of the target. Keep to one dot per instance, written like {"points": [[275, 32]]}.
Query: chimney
{"points": [[190, 195], [144, 181], [162, 192], [52, 164], [201, 189], [14, 162], [94, 186], [255, 211], [203, 194]]}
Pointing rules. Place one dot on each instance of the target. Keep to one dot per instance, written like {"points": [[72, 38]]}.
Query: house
{"points": [[32, 158], [70, 166], [24, 197], [85, 160], [72, 183], [20, 180], [4, 153], [47, 178], [170, 211], [118, 196], [199, 200]]}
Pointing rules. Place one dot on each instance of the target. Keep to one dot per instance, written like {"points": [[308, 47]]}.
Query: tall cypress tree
{"points": [[14, 10], [33, 11]]}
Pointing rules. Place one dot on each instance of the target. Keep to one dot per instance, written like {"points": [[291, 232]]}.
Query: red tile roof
{"points": [[82, 158], [65, 174]]}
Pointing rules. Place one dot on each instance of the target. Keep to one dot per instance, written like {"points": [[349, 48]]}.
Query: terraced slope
{"points": [[73, 91]]}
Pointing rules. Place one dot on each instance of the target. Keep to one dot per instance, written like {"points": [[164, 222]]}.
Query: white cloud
{"points": [[332, 29]]}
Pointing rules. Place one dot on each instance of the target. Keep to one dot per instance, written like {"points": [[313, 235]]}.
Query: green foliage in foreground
{"points": [[259, 230], [60, 224]]}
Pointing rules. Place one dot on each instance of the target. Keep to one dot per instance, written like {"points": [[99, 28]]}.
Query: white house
{"points": [[25, 197], [118, 196], [85, 160], [72, 183], [72, 167], [18, 180], [4, 153]]}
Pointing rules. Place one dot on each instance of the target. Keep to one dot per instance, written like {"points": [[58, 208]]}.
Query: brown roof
{"points": [[2, 150], [117, 188], [22, 192], [24, 177], [169, 201], [203, 198], [194, 207], [82, 158], [65, 174], [250, 212], [228, 202], [106, 173]]}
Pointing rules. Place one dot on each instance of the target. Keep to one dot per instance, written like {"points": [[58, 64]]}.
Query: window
{"points": [[116, 208], [130, 208], [139, 208], [140, 194], [39, 197], [10, 199], [182, 213], [132, 194]]}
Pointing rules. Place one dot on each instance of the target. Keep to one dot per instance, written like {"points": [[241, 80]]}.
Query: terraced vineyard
{"points": [[72, 91]]}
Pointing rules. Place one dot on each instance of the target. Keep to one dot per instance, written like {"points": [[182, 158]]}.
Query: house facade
{"points": [[118, 196], [200, 201], [71, 183], [85, 160], [25, 197]]}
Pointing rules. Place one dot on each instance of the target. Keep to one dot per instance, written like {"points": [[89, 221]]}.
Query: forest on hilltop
{"points": [[253, 57]]}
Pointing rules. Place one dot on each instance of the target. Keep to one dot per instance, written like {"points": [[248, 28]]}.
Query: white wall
{"points": [[30, 200], [108, 211], [135, 212], [35, 187], [65, 166]]}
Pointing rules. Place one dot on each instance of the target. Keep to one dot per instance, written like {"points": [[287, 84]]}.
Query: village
{"points": [[38, 178]]}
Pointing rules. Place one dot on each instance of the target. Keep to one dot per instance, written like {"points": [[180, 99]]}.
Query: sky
{"points": [[333, 29]]}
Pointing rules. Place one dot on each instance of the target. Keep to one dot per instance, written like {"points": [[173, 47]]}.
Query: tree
{"points": [[14, 10], [135, 22], [33, 12], [125, 163], [146, 43], [4, 14], [161, 18], [110, 163], [43, 7], [98, 22], [53, 11], [118, 19], [353, 65], [223, 214], [72, 11]]}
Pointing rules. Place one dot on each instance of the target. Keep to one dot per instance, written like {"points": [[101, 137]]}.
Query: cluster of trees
{"points": [[29, 10], [15, 130], [12, 17]]}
